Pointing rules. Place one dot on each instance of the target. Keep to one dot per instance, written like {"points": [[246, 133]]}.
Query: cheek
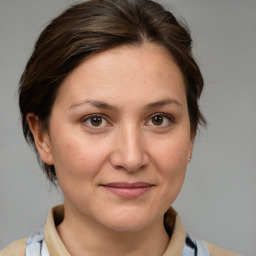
{"points": [[171, 158], [77, 156], [173, 153]]}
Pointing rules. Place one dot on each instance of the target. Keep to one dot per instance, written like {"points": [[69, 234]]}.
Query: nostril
{"points": [[128, 163], [128, 151]]}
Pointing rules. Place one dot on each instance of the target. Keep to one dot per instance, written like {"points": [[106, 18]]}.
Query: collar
{"points": [[172, 223]]}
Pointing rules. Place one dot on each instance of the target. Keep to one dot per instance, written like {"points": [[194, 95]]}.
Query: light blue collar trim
{"points": [[36, 246]]}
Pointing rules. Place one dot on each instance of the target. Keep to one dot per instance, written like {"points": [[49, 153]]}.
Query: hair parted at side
{"points": [[94, 26]]}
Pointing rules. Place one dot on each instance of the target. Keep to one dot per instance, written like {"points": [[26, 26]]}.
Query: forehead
{"points": [[126, 72]]}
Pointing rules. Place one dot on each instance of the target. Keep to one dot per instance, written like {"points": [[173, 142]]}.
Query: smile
{"points": [[128, 190]]}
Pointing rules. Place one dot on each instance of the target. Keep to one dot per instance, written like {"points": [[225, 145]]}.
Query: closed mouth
{"points": [[128, 185], [128, 190]]}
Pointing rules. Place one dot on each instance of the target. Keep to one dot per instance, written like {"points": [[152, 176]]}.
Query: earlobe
{"points": [[41, 138], [191, 149]]}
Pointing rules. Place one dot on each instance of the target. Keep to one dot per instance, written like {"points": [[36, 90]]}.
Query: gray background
{"points": [[218, 201]]}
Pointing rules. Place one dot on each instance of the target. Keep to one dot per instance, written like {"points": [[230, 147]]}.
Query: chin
{"points": [[129, 220]]}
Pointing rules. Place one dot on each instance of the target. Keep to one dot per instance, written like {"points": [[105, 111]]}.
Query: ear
{"points": [[41, 138], [191, 146]]}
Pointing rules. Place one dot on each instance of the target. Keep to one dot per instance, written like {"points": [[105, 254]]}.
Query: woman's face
{"points": [[119, 137]]}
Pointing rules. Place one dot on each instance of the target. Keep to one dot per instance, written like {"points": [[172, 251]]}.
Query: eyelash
{"points": [[164, 116], [88, 119]]}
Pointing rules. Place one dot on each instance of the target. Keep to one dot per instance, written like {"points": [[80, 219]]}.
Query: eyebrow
{"points": [[163, 102], [104, 105], [95, 103]]}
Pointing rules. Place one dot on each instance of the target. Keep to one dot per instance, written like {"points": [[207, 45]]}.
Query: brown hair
{"points": [[94, 26]]}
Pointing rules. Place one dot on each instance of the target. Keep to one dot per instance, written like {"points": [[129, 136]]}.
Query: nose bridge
{"points": [[129, 151], [132, 137]]}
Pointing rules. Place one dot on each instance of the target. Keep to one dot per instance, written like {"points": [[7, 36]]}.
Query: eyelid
{"points": [[87, 117], [170, 117]]}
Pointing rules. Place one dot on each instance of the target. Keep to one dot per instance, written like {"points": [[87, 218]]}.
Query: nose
{"points": [[129, 150]]}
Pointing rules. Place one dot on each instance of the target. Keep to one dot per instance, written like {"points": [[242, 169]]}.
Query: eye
{"points": [[160, 120], [95, 121]]}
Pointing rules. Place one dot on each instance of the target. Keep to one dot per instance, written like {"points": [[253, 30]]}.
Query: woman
{"points": [[109, 100]]}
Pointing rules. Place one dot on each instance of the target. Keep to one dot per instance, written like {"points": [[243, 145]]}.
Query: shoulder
{"points": [[217, 251], [16, 248]]}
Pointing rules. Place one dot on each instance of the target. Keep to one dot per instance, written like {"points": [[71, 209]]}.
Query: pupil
{"points": [[157, 120], [96, 121]]}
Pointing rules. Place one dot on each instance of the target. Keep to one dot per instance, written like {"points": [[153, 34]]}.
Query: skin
{"points": [[141, 134]]}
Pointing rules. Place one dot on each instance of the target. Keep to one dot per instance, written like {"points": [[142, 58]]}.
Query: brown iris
{"points": [[157, 120], [96, 120]]}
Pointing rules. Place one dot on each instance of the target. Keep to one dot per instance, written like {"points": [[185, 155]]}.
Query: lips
{"points": [[128, 190]]}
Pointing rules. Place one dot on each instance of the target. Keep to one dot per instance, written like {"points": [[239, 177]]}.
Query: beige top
{"points": [[56, 247]]}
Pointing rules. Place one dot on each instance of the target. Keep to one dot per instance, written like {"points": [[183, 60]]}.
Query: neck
{"points": [[82, 236]]}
